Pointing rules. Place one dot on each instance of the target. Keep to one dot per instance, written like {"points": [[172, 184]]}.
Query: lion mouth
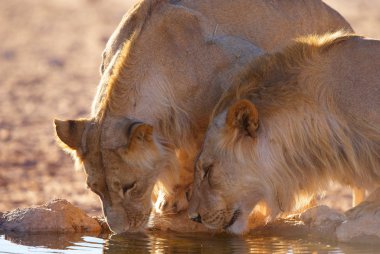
{"points": [[234, 218]]}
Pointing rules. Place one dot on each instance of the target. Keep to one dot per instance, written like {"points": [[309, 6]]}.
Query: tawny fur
{"points": [[157, 68], [309, 132]]}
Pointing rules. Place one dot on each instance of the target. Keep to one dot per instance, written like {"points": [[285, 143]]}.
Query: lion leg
{"points": [[358, 196], [173, 202]]}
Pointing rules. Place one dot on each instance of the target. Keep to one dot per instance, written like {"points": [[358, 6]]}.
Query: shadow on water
{"points": [[168, 242]]}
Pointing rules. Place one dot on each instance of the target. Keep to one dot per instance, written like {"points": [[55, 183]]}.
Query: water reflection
{"points": [[177, 243], [168, 242], [50, 240], [205, 243]]}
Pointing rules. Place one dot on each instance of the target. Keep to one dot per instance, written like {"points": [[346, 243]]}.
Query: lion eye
{"points": [[207, 171], [128, 187]]}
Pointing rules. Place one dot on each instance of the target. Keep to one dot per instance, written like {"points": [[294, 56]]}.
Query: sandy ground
{"points": [[49, 67]]}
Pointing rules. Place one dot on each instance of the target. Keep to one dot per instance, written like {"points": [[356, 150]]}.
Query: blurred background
{"points": [[50, 53]]}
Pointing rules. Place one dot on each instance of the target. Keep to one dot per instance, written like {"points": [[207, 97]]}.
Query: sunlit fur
{"points": [[158, 67], [319, 121]]}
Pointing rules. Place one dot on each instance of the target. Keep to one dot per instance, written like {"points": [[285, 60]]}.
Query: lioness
{"points": [[154, 98], [290, 123]]}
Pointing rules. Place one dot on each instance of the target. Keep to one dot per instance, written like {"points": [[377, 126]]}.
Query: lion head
{"points": [[122, 175], [284, 130], [222, 194]]}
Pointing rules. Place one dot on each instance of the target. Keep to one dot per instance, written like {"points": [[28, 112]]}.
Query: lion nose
{"points": [[196, 218]]}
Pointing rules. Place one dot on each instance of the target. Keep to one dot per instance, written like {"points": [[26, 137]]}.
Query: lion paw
{"points": [[175, 202]]}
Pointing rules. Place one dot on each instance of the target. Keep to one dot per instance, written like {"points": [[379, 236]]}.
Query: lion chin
{"points": [[238, 223]]}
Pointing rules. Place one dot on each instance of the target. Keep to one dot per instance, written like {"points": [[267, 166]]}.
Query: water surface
{"points": [[161, 242]]}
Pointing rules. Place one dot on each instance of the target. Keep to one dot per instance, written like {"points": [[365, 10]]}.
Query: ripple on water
{"points": [[159, 242]]}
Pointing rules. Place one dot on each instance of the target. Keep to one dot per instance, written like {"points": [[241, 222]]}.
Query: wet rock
{"points": [[103, 224], [56, 216], [322, 221], [363, 222], [47, 240], [288, 227]]}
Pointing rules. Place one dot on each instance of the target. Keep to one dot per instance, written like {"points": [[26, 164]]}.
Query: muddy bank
{"points": [[358, 225]]}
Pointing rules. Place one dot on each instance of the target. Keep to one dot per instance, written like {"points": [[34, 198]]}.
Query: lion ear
{"points": [[70, 132], [140, 134], [140, 139], [244, 117]]}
